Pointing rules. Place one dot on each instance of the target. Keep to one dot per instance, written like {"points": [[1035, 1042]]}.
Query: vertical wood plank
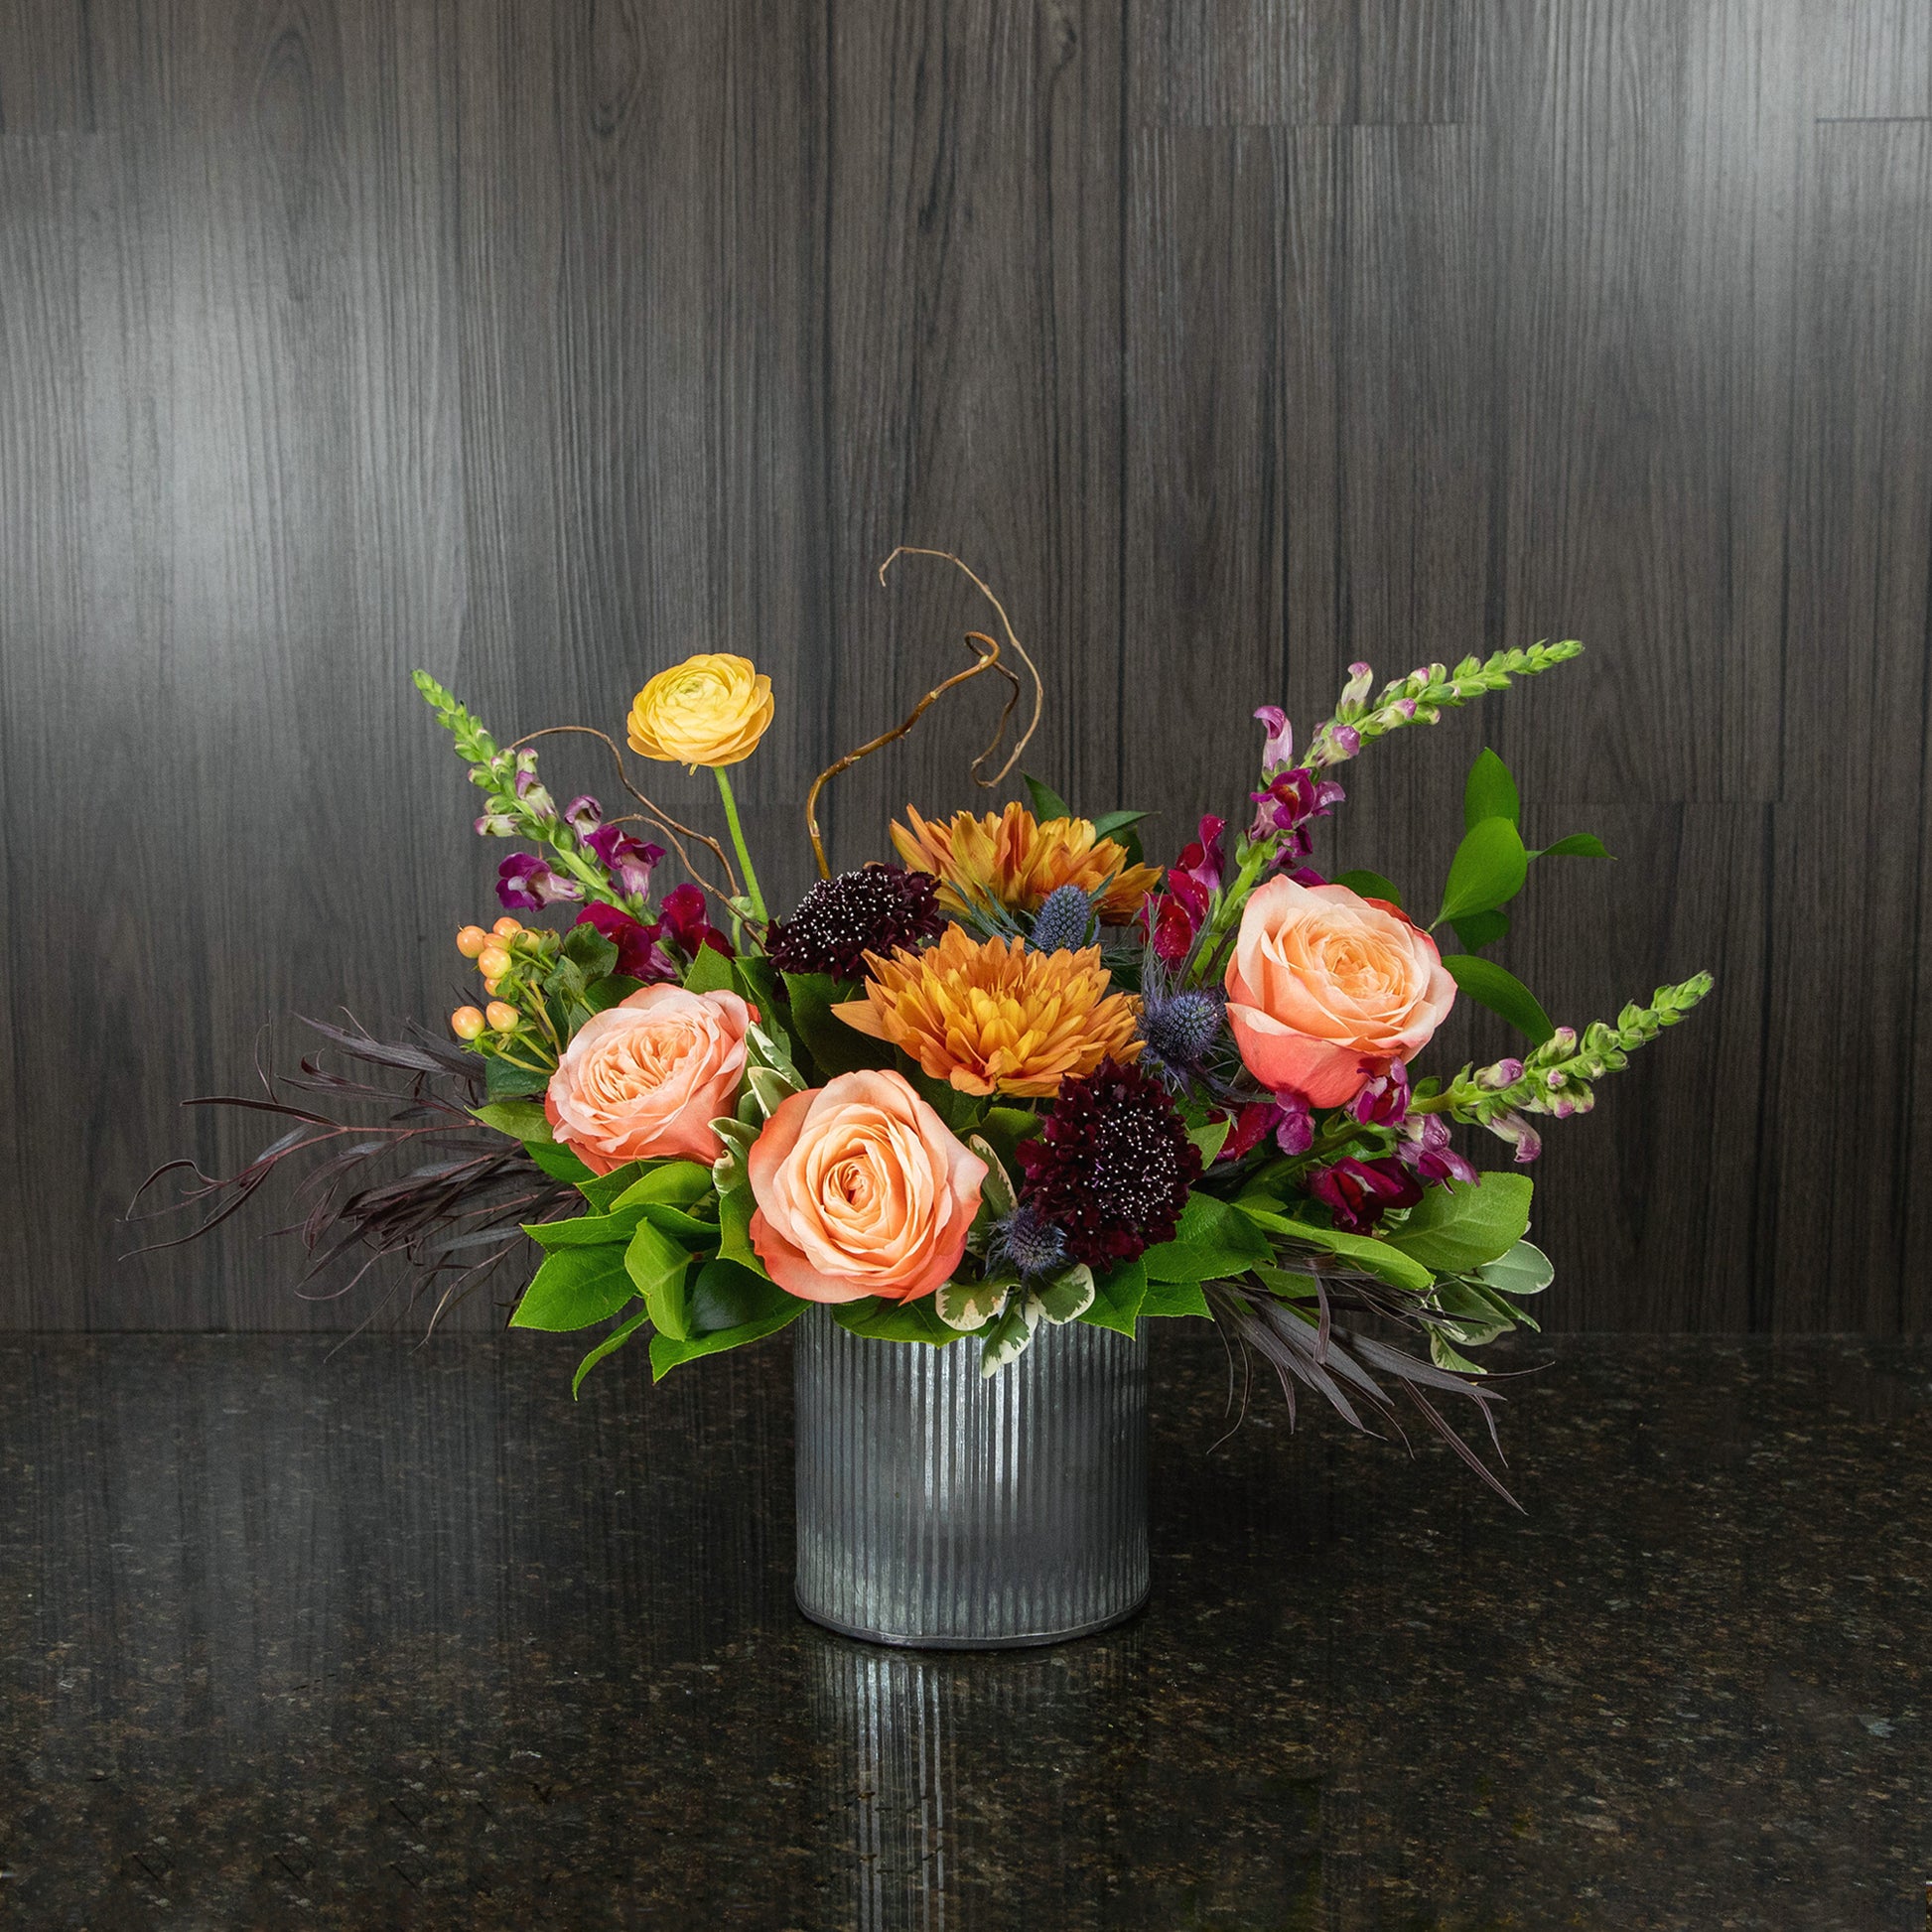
{"points": [[1846, 1042], [973, 289], [1303, 63]]}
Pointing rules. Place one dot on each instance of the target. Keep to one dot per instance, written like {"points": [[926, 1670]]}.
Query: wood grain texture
{"points": [[1233, 341]]}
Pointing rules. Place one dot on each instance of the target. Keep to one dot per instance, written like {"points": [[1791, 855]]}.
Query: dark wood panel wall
{"points": [[1234, 340]]}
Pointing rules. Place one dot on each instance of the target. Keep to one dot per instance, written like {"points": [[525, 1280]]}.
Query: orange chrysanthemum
{"points": [[1014, 860], [993, 1017]]}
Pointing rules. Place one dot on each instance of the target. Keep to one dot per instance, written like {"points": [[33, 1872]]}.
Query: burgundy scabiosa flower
{"points": [[1111, 1165], [878, 909]]}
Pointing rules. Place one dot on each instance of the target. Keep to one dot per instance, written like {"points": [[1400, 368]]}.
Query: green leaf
{"points": [[604, 1188], [1176, 1298], [1184, 1261], [576, 1288], [674, 1221], [1110, 825], [677, 1184], [1578, 845], [964, 1113], [656, 1266], [1210, 1137], [1047, 803], [611, 1343], [583, 1231], [1459, 1227], [1117, 1297], [666, 1352], [1363, 1251], [1369, 885], [558, 1162], [1210, 1241], [503, 1081], [1006, 1127], [593, 954], [1490, 793], [1487, 870], [612, 991], [895, 1320], [834, 1047], [1524, 1270], [1482, 929], [735, 1211], [565, 984], [757, 984], [725, 1294], [521, 1120], [1489, 985], [709, 972]]}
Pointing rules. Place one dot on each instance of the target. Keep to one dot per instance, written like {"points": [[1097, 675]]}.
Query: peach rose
{"points": [[861, 1191], [646, 1077], [1325, 989]]}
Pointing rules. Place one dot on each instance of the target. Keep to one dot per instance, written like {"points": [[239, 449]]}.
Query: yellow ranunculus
{"points": [[710, 709]]}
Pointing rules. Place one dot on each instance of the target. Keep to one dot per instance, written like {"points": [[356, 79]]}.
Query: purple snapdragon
{"points": [[629, 862], [527, 882]]}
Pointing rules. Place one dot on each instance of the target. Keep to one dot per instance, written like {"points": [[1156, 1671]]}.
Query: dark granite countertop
{"points": [[402, 1637]]}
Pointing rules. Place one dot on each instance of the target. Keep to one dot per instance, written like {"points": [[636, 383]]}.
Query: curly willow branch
{"points": [[653, 814], [989, 660]]}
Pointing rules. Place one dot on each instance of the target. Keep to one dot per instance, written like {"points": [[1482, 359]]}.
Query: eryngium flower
{"points": [[1179, 1028], [878, 909], [1012, 862], [991, 1017], [1028, 1241], [1111, 1165], [1065, 923]]}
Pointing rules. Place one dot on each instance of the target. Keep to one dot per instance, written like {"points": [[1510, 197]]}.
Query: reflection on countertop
{"points": [[404, 1638]]}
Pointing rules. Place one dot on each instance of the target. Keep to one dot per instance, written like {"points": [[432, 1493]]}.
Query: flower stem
{"points": [[738, 840]]}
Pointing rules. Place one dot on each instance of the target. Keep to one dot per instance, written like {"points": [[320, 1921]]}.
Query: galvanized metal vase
{"points": [[950, 1511]]}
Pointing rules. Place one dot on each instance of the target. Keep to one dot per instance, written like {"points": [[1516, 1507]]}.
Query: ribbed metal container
{"points": [[951, 1511]]}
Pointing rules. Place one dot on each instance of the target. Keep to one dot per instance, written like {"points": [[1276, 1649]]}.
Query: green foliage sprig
{"points": [[1557, 1077], [1422, 697], [511, 812]]}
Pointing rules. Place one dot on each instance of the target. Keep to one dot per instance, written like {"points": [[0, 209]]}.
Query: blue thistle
{"points": [[1179, 1028], [1028, 1241], [1064, 921]]}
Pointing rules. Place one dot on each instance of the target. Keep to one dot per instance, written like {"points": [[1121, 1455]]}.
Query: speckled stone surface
{"points": [[403, 1638]]}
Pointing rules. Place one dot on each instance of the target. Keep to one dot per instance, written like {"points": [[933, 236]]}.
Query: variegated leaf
{"points": [[969, 1306], [1011, 1336], [1068, 1296], [769, 1087], [770, 1050], [995, 1190]]}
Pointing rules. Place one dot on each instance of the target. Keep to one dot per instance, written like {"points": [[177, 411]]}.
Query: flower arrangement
{"points": [[1022, 1077]]}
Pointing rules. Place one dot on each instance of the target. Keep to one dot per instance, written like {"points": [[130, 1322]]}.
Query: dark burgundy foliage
{"points": [[421, 1183]]}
